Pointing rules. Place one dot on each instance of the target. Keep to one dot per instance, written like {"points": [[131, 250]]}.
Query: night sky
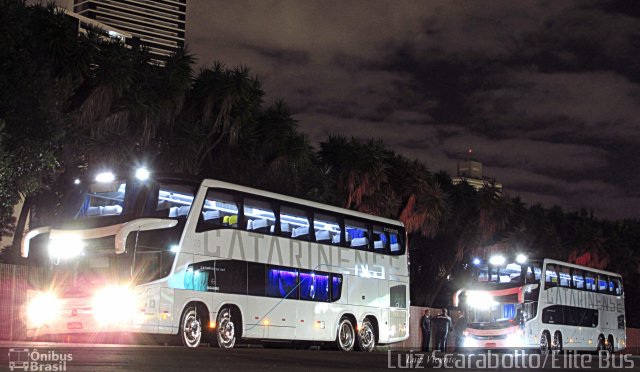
{"points": [[546, 93]]}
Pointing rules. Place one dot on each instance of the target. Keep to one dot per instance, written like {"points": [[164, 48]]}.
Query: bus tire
{"points": [[545, 343], [557, 342], [225, 329], [191, 325], [367, 336], [346, 335]]}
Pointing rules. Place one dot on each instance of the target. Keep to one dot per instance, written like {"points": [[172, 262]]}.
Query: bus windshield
{"points": [[495, 316], [509, 273], [105, 203]]}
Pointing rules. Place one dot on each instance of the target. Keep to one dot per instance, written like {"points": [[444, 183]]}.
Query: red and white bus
{"points": [[544, 304]]}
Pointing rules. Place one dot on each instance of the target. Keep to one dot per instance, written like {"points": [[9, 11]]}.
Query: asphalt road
{"points": [[97, 358]]}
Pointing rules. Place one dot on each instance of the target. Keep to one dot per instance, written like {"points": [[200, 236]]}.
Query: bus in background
{"points": [[542, 304], [210, 261]]}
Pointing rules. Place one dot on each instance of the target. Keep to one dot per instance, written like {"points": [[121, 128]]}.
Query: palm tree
{"points": [[359, 170], [219, 104]]}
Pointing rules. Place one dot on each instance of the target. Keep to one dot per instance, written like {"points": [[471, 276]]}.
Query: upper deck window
{"points": [[357, 234], [220, 210], [103, 199], [294, 223], [258, 216], [174, 200]]}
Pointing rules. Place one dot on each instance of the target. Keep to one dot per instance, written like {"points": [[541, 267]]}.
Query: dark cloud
{"points": [[547, 93]]}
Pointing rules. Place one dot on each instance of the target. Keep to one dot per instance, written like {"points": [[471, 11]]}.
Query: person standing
{"points": [[443, 325], [425, 324], [459, 328]]}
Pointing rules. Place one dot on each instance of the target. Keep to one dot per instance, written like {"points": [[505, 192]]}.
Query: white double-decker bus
{"points": [[542, 304], [210, 261]]}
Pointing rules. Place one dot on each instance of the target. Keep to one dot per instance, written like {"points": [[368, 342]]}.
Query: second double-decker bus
{"points": [[211, 261], [543, 304]]}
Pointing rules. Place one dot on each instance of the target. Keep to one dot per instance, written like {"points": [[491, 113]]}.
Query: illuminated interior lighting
{"points": [[105, 177], [497, 260], [76, 181]]}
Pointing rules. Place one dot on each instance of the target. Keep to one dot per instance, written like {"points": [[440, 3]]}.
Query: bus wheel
{"points": [[191, 326], [346, 335], [610, 344], [545, 343], [367, 336], [557, 341], [225, 333]]}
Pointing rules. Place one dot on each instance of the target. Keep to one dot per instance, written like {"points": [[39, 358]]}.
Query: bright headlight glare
{"points": [[66, 247], [42, 309], [497, 260], [114, 305], [514, 339], [142, 174], [480, 300], [105, 177], [468, 342], [521, 259]]}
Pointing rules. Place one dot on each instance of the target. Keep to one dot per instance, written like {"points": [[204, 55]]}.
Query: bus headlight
{"points": [[42, 309], [66, 247], [114, 305]]}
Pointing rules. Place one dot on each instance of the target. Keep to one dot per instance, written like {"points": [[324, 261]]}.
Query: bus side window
{"points": [[258, 216], [327, 229], [602, 283], [578, 278], [282, 282], [565, 276], [380, 239], [617, 286], [219, 210], [396, 243], [357, 234], [336, 287], [551, 276], [314, 286], [295, 220], [590, 280]]}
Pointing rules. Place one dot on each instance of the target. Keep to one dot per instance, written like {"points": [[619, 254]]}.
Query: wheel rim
{"points": [[557, 341], [226, 330], [544, 344], [367, 337], [345, 335], [191, 329]]}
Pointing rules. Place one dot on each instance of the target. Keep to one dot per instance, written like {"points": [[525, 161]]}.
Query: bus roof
{"points": [[329, 208], [552, 261]]}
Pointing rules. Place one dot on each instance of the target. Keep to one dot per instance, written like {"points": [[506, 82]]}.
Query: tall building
{"points": [[471, 172], [83, 23], [157, 24]]}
